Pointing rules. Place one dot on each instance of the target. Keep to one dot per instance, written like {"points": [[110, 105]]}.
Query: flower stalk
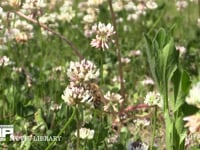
{"points": [[118, 51]]}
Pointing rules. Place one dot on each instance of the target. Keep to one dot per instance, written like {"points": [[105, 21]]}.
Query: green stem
{"points": [[78, 128], [63, 129], [154, 127], [101, 68], [118, 52]]}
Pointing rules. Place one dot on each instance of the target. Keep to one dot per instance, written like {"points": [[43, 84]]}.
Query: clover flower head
{"points": [[115, 97], [147, 81], [15, 3], [117, 5], [81, 72], [34, 4], [153, 98], [76, 94], [5, 61], [66, 12], [113, 101], [151, 4], [194, 95], [85, 133], [180, 5], [193, 123], [103, 35], [95, 2], [181, 49]]}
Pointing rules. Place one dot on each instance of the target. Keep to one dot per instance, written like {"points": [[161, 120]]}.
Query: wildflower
{"points": [[5, 61], [137, 146], [55, 107], [103, 35], [76, 94], [141, 122], [194, 96], [95, 2], [193, 122], [84, 71], [91, 15], [125, 60], [130, 6], [181, 49], [135, 53], [85, 133], [113, 101], [15, 3], [148, 81], [33, 4], [180, 5], [153, 98], [132, 16], [117, 6], [151, 4], [66, 12]]}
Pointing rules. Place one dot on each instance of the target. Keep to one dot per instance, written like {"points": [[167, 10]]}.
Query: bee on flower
{"points": [[76, 94], [104, 35]]}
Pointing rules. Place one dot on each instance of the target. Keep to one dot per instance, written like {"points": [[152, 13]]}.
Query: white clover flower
{"points": [[33, 4], [137, 146], [22, 25], [194, 95], [153, 98], [103, 35], [148, 81], [125, 60], [130, 6], [55, 107], [141, 9], [5, 61], [141, 122], [132, 16], [81, 72], [21, 31], [48, 18], [15, 3], [114, 97], [180, 5], [151, 4], [193, 123], [95, 2], [85, 133], [113, 101], [10, 34], [89, 18], [117, 5], [76, 94], [91, 15], [66, 12], [181, 49]]}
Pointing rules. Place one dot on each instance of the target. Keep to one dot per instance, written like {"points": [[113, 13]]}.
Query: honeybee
{"points": [[98, 98]]}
